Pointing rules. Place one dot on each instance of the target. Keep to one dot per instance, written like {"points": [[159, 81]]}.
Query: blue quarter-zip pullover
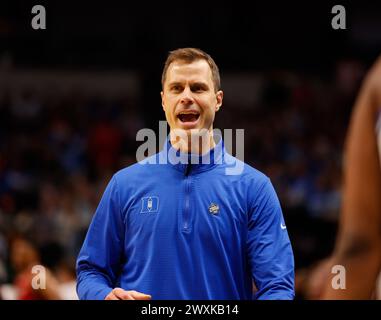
{"points": [[188, 231]]}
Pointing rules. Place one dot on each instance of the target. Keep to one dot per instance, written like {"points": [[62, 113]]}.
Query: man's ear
{"points": [[162, 99], [219, 98]]}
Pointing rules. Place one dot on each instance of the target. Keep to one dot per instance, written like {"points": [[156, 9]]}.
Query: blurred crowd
{"points": [[58, 151]]}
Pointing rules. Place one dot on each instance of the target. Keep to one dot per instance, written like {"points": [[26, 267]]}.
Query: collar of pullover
{"points": [[190, 163]]}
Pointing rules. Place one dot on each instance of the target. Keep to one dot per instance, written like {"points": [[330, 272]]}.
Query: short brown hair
{"points": [[190, 55]]}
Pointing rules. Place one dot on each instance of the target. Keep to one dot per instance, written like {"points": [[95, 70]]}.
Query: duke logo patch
{"points": [[150, 204]]}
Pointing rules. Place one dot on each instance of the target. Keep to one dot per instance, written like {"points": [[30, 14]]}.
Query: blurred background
{"points": [[73, 96]]}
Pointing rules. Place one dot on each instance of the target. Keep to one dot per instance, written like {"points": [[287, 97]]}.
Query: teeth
{"points": [[188, 116]]}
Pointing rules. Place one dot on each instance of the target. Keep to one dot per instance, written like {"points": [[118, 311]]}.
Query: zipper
{"points": [[187, 196]]}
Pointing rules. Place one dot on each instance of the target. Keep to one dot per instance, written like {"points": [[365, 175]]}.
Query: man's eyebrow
{"points": [[203, 85], [200, 84], [176, 83]]}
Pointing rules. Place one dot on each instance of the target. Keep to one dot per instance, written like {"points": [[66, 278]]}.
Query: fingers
{"points": [[111, 296], [121, 294], [139, 296], [118, 294]]}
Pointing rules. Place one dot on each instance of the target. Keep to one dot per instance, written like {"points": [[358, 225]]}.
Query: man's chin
{"points": [[181, 133], [189, 130], [187, 126]]}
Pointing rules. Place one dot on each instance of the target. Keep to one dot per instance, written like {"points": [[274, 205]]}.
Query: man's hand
{"points": [[120, 294]]}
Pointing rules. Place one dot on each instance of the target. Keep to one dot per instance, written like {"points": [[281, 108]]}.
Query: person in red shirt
{"points": [[25, 260]]}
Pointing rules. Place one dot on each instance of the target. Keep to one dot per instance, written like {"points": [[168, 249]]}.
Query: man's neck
{"points": [[193, 142]]}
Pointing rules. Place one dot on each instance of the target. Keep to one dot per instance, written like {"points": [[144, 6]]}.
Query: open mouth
{"points": [[188, 117]]}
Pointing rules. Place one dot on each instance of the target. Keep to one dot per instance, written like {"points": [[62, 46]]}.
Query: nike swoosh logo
{"points": [[282, 226]]}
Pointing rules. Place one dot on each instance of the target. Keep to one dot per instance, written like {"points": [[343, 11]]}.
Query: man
{"points": [[186, 229], [358, 247]]}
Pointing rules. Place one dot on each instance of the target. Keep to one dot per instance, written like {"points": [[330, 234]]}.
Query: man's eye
{"points": [[176, 88], [198, 89]]}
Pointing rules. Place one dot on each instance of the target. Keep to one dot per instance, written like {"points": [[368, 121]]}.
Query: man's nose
{"points": [[187, 97]]}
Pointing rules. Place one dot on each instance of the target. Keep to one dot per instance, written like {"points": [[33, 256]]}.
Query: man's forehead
{"points": [[195, 68]]}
